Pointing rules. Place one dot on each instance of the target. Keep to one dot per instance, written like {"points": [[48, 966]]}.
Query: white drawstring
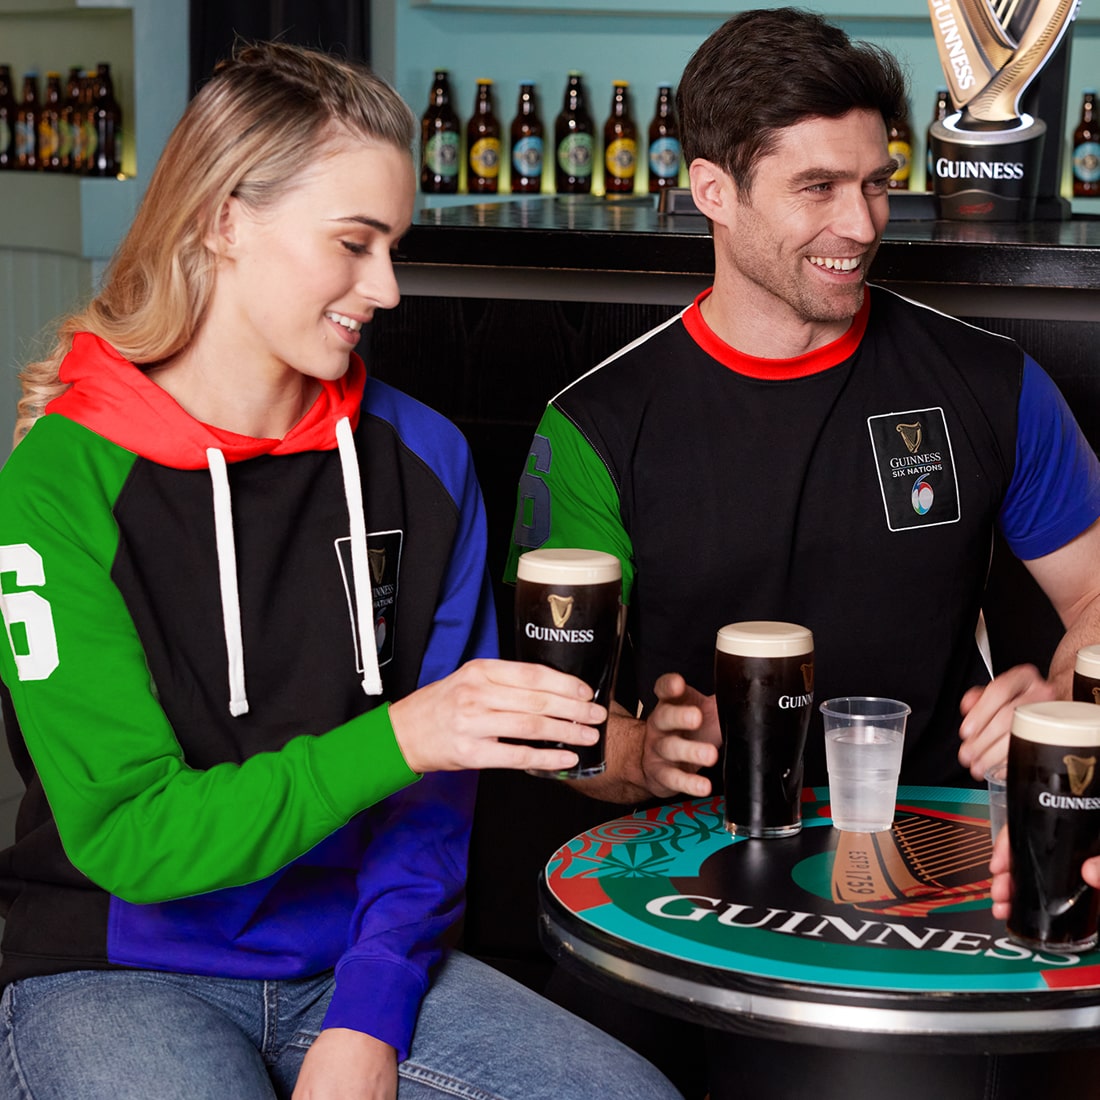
{"points": [[360, 573], [227, 578]]}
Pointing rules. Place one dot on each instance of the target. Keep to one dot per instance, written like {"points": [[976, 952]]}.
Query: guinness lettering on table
{"points": [[986, 156], [568, 615], [764, 688], [1054, 824]]}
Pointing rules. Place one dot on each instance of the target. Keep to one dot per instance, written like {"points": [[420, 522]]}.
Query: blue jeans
{"points": [[149, 1035]]}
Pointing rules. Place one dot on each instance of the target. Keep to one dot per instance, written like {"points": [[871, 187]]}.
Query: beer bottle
{"points": [[664, 143], [8, 112], [439, 140], [526, 143], [106, 158], [71, 138], [573, 141], [26, 125], [939, 113], [483, 144], [49, 126], [1086, 149], [620, 142], [899, 142], [87, 121]]}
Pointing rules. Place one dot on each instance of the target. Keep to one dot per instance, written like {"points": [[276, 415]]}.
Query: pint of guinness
{"points": [[1086, 675], [568, 616], [764, 688], [1054, 824]]}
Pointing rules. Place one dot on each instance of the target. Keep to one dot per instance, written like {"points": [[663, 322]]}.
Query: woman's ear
{"points": [[224, 231]]}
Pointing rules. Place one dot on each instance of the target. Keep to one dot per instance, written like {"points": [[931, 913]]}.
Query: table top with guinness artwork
{"points": [[864, 940]]}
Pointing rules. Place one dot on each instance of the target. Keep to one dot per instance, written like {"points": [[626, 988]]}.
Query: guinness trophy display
{"points": [[764, 688], [986, 156], [568, 615], [1054, 824]]}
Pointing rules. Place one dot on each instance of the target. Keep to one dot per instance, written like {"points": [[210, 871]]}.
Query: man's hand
{"points": [[347, 1065], [681, 736], [987, 715]]}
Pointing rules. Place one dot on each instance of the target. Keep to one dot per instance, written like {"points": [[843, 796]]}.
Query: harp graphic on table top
{"points": [[991, 51], [922, 863]]}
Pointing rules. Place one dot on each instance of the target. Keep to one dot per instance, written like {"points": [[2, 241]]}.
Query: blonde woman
{"points": [[251, 654]]}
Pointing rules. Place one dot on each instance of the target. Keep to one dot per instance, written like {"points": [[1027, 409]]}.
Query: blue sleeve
{"points": [[412, 877], [1055, 491]]}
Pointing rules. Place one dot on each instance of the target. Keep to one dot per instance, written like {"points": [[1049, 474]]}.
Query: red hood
{"points": [[111, 397]]}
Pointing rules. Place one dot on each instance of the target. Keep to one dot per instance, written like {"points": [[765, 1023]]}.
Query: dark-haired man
{"points": [[797, 446]]}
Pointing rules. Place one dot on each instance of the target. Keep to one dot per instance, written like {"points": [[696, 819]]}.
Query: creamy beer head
{"points": [[564, 565], [1088, 661], [765, 639], [1059, 722]]}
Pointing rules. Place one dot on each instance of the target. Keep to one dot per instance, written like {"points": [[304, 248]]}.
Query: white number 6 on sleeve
{"points": [[35, 658]]}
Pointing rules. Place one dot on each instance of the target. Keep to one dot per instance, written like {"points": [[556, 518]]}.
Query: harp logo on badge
{"points": [[915, 465]]}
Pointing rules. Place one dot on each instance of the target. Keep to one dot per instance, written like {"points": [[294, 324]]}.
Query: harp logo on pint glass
{"points": [[764, 688], [568, 615], [1054, 824]]}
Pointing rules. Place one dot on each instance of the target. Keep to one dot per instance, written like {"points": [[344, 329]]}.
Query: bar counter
{"points": [[596, 249]]}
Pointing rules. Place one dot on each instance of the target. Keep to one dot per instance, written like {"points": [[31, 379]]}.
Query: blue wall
{"points": [[511, 40]]}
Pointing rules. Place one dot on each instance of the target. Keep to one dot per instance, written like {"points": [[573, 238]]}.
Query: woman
{"points": [[238, 580]]}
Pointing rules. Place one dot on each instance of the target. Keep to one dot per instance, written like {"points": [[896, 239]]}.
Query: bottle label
{"points": [[441, 154], [49, 140], [575, 155], [485, 158], [664, 158], [65, 139], [91, 141], [527, 156], [622, 158], [1086, 162], [24, 138], [902, 152]]}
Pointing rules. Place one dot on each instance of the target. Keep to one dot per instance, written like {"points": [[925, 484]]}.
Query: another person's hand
{"points": [[987, 715], [347, 1065], [681, 736], [458, 722], [1000, 865]]}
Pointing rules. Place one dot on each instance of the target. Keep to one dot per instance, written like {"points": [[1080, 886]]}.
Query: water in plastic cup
{"points": [[996, 779], [863, 743]]}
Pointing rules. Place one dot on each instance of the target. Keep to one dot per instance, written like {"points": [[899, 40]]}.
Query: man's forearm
{"points": [[623, 781], [1084, 631]]}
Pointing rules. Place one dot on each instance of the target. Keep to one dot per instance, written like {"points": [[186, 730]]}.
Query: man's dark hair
{"points": [[765, 70]]}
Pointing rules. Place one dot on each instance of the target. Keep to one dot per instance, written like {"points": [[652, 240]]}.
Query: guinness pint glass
{"points": [[1054, 824], [568, 616], [764, 688], [1086, 675]]}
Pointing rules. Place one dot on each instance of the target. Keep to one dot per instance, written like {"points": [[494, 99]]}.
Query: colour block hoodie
{"points": [[204, 631]]}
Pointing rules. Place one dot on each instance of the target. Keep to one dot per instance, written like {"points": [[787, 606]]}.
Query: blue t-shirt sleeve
{"points": [[1055, 491]]}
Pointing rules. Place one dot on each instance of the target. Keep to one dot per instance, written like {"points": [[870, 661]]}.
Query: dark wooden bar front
{"points": [[507, 302]]}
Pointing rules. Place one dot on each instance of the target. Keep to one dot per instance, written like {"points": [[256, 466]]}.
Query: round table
{"points": [[874, 951]]}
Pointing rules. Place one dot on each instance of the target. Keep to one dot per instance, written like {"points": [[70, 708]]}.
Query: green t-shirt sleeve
{"points": [[567, 497], [130, 812]]}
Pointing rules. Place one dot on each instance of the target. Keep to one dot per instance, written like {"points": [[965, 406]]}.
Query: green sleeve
{"points": [[567, 497], [131, 814]]}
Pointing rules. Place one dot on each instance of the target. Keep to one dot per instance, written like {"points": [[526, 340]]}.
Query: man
{"points": [[796, 445]]}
